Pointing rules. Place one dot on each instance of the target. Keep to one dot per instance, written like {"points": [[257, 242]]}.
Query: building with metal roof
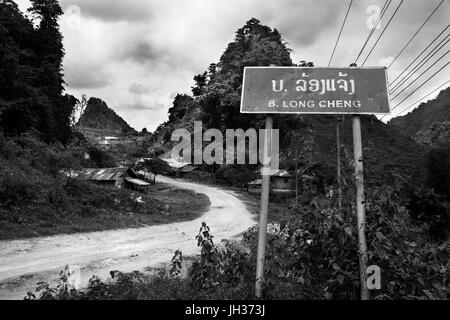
{"points": [[136, 184]]}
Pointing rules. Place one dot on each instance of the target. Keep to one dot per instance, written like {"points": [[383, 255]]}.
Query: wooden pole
{"points": [[338, 148], [360, 205], [262, 233], [296, 177]]}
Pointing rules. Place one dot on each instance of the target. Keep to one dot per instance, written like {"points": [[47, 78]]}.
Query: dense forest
{"points": [[429, 124], [31, 79]]}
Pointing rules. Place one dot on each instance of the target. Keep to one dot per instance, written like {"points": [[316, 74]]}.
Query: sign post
{"points": [[338, 155], [265, 188], [315, 90], [360, 203], [360, 208]]}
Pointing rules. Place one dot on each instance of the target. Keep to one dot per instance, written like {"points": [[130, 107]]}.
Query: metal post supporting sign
{"points": [[315, 90], [360, 203]]}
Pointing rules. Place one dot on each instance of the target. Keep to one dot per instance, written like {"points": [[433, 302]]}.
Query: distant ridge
{"points": [[99, 117], [423, 117]]}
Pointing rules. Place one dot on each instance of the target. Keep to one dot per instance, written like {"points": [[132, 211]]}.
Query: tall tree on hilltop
{"points": [[200, 84], [254, 45], [50, 80], [18, 65], [31, 80], [180, 105]]}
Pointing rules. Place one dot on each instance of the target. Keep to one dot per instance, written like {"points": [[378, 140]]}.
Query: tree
{"points": [[254, 45], [77, 110], [50, 51], [31, 82], [144, 130], [200, 84], [180, 105]]}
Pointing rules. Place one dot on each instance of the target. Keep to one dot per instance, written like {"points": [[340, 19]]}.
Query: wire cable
{"points": [[415, 34], [421, 75], [418, 66], [418, 56], [413, 104], [340, 32], [383, 11], [387, 25], [420, 86]]}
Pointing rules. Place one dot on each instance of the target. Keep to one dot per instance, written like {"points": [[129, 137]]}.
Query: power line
{"points": [[421, 75], [415, 34], [418, 56], [420, 86], [418, 66], [340, 32], [387, 25], [383, 11], [413, 104]]}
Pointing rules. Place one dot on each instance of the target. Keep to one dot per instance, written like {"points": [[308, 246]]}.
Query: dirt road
{"points": [[25, 262]]}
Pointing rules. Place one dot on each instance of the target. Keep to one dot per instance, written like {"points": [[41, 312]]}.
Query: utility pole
{"points": [[360, 203], [296, 177], [262, 233]]}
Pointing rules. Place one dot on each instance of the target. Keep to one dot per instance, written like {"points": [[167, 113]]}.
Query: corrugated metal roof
{"points": [[103, 174], [187, 168], [175, 163]]}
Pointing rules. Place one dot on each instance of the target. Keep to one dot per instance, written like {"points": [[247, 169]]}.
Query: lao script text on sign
{"points": [[315, 90]]}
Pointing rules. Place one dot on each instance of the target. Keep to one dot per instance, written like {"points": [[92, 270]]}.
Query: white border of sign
{"points": [[315, 112]]}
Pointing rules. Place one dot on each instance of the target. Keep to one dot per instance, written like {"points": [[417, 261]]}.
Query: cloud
{"points": [[138, 89], [303, 22], [141, 51], [143, 101], [136, 54], [140, 105], [86, 76], [112, 11]]}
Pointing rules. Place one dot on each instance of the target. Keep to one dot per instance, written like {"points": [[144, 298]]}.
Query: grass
{"points": [[90, 207]]}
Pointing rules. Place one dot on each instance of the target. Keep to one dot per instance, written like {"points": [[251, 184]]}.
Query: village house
{"points": [[136, 184], [113, 177]]}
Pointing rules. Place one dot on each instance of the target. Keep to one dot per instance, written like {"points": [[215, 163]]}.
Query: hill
{"points": [[99, 117], [422, 119]]}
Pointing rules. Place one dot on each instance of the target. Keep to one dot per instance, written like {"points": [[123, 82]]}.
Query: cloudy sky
{"points": [[137, 54]]}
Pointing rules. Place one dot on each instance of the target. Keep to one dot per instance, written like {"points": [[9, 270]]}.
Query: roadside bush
{"points": [[438, 170], [315, 256]]}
